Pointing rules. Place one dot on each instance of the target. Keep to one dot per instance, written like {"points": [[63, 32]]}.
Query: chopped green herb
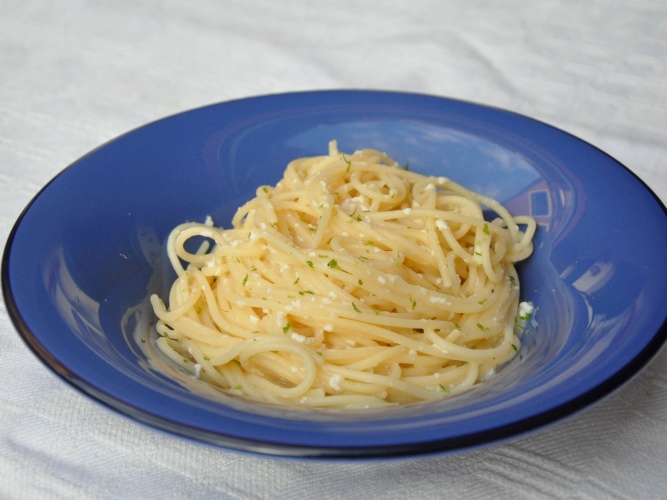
{"points": [[303, 292], [514, 347], [236, 361], [376, 311], [481, 327], [207, 358], [186, 360], [312, 229], [238, 387], [245, 280], [265, 189], [355, 307], [287, 327], [486, 229], [310, 263], [406, 166], [481, 302], [370, 243], [457, 326], [349, 163], [512, 279], [296, 281], [332, 264], [413, 302], [199, 310], [361, 282], [443, 388]]}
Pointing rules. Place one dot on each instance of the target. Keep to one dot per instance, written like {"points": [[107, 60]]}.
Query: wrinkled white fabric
{"points": [[75, 74]]}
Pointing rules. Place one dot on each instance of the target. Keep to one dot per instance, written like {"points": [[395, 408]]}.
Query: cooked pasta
{"points": [[354, 282]]}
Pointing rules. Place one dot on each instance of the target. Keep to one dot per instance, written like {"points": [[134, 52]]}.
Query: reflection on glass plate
{"points": [[88, 250]]}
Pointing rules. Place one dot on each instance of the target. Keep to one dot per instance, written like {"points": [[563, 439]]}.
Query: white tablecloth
{"points": [[75, 74]]}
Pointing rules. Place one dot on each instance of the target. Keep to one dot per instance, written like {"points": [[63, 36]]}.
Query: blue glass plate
{"points": [[87, 251]]}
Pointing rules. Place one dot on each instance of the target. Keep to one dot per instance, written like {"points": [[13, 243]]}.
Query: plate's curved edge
{"points": [[479, 439]]}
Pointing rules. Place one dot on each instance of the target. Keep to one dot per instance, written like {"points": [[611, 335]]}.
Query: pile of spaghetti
{"points": [[354, 282]]}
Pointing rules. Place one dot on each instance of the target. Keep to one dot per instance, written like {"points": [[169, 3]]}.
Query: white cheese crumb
{"points": [[439, 300], [334, 382], [525, 309]]}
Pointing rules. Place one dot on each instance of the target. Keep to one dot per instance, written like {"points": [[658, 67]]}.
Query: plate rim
{"points": [[476, 439]]}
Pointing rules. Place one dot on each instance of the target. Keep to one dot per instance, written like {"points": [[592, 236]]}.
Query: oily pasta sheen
{"points": [[354, 282]]}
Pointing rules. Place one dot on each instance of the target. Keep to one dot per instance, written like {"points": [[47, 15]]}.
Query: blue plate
{"points": [[87, 251]]}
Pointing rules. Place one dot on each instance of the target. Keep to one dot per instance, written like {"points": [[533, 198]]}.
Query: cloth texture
{"points": [[77, 73]]}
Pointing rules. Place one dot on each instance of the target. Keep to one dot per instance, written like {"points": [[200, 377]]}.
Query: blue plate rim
{"points": [[422, 448]]}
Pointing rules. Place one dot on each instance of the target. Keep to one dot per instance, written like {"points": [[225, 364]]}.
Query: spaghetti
{"points": [[353, 282]]}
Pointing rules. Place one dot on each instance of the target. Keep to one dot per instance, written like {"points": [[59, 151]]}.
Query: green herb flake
{"points": [[512, 279], [361, 282], [481, 302], [287, 327], [310, 263], [349, 163], [207, 358], [296, 281], [443, 388], [265, 189], [236, 361], [406, 166], [481, 327], [245, 280], [333, 264], [312, 229], [412, 302], [514, 347], [486, 229], [199, 310], [238, 387], [355, 307]]}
